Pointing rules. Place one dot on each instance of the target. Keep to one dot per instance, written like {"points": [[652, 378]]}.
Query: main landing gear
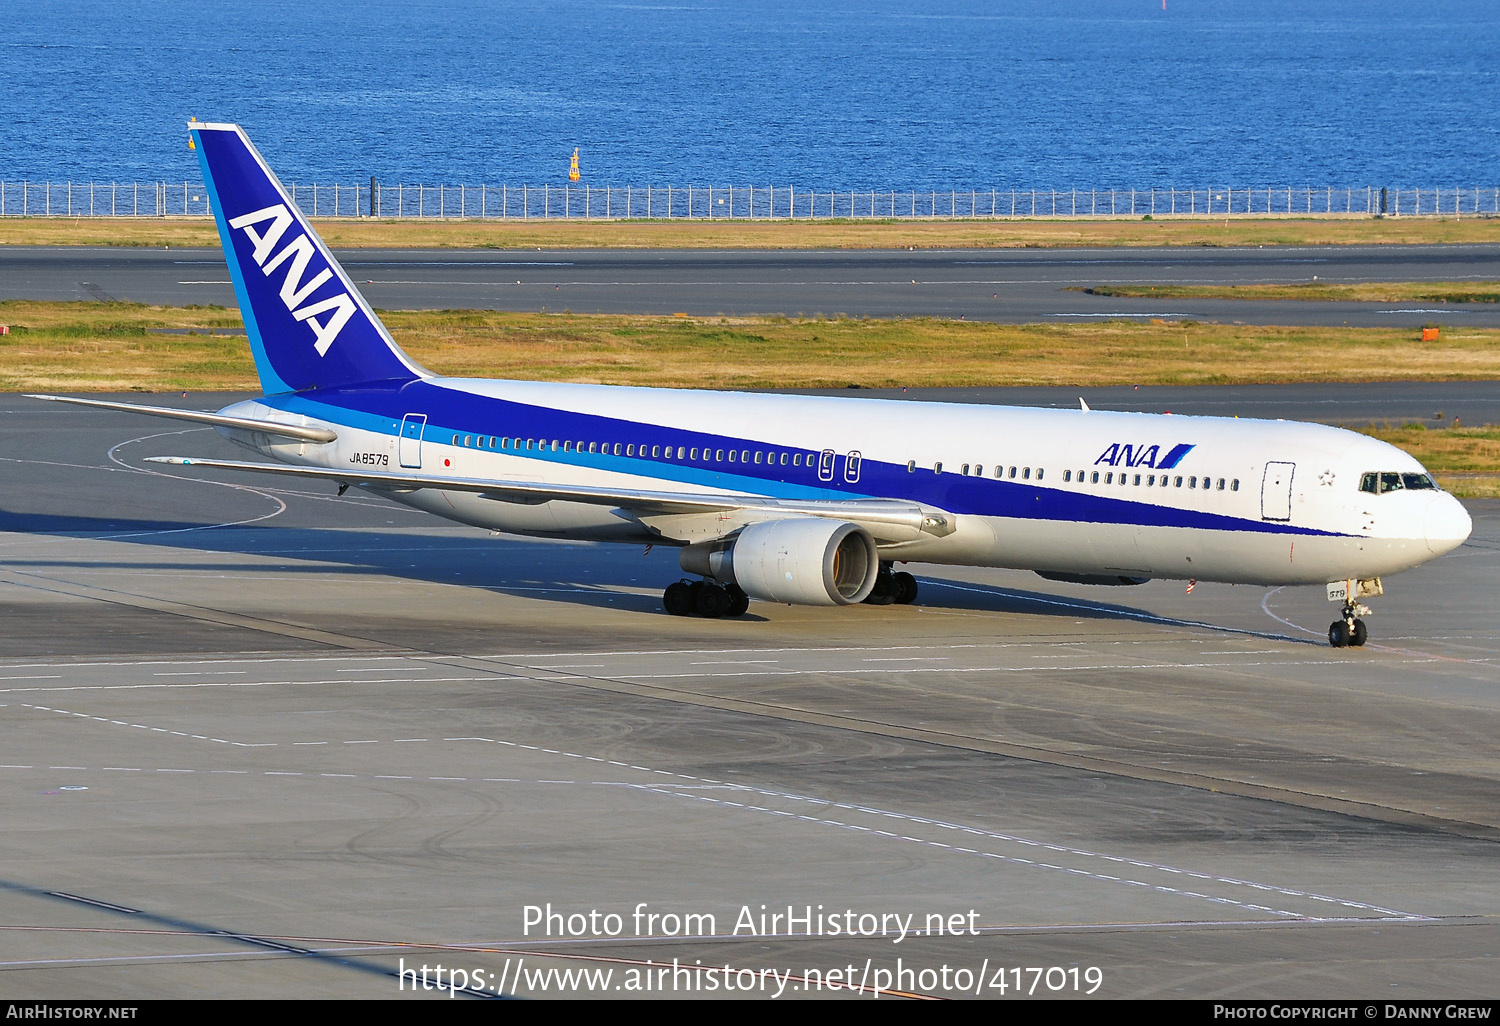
{"points": [[899, 587], [707, 599], [1350, 631]]}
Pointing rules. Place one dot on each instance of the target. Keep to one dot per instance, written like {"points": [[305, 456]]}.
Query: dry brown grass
{"points": [[1183, 231], [103, 346], [1359, 292]]}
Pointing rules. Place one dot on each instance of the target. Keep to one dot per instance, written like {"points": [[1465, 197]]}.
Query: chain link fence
{"points": [[563, 202]]}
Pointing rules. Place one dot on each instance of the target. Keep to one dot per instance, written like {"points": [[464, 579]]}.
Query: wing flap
{"points": [[873, 513]]}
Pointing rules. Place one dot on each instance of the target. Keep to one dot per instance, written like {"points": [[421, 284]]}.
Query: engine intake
{"points": [[807, 561]]}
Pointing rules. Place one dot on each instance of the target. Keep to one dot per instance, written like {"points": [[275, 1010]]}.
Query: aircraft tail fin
{"points": [[308, 325]]}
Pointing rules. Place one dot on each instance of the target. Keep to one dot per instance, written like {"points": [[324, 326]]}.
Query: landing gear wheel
{"points": [[904, 586], [1339, 634], [739, 602], [678, 599], [1359, 634], [884, 592], [713, 601]]}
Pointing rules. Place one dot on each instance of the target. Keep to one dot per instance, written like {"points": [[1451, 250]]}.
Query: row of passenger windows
{"points": [[1154, 480], [1370, 483], [1014, 473], [655, 452]]}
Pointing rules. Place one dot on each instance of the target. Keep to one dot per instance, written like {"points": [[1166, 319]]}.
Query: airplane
{"points": [[792, 499]]}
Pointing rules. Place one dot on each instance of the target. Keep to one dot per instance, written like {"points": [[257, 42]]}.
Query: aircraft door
{"points": [[412, 426], [1276, 491]]}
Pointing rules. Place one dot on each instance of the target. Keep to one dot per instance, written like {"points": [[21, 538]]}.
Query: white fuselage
{"points": [[1067, 491]]}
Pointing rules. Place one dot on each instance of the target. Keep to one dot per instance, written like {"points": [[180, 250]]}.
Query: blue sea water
{"points": [[842, 94]]}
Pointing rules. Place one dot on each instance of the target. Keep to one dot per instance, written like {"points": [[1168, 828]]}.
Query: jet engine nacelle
{"points": [[806, 561]]}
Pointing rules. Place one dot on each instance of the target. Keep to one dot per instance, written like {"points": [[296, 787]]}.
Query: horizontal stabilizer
{"points": [[269, 427]]}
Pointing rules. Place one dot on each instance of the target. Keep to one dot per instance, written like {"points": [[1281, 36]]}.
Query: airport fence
{"points": [[742, 202]]}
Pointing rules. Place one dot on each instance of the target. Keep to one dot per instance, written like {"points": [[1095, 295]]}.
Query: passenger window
{"points": [[1109, 478], [1038, 473], [1221, 484], [656, 452], [1026, 474], [796, 459], [911, 466], [937, 468], [1150, 480], [1095, 478], [567, 446], [783, 459], [965, 471], [1012, 473], [1234, 485], [1193, 482], [1179, 482], [1137, 479], [1067, 476], [757, 457]]}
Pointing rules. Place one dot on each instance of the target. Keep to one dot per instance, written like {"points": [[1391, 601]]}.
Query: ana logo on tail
{"points": [[294, 292]]}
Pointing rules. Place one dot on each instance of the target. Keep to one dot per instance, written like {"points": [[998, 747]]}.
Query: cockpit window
{"points": [[1380, 482]]}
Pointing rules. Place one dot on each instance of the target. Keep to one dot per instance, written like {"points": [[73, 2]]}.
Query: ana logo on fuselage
{"points": [[294, 291], [1132, 455]]}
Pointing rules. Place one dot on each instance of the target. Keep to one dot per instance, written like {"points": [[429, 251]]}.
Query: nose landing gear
{"points": [[1349, 630]]}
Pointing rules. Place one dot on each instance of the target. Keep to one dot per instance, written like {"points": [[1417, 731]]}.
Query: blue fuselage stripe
{"points": [[451, 412]]}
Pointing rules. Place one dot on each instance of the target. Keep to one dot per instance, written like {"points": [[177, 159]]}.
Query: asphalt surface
{"points": [[1020, 285], [263, 741]]}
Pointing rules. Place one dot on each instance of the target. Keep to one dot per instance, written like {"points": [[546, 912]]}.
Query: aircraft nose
{"points": [[1448, 524]]}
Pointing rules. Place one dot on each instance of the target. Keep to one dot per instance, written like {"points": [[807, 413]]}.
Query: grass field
{"points": [[1238, 230], [113, 346], [80, 347], [1358, 292]]}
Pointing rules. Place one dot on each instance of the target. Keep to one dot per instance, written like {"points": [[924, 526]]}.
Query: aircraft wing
{"points": [[886, 519], [270, 427]]}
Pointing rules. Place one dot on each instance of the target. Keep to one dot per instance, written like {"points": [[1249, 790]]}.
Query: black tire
{"points": [[739, 602], [1361, 632], [884, 592], [713, 601], [678, 599], [1338, 634], [905, 587]]}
